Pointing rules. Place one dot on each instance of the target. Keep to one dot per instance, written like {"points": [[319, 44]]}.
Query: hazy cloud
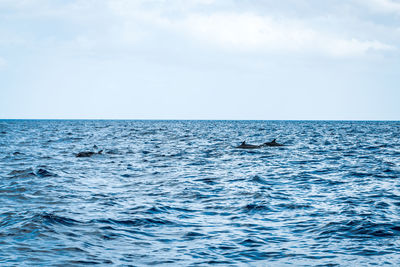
{"points": [[388, 6], [123, 23], [247, 31], [3, 63]]}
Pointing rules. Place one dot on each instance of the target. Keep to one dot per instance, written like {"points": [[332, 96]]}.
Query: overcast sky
{"points": [[200, 59]]}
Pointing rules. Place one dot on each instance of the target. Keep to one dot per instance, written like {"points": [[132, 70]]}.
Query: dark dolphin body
{"points": [[272, 143], [86, 154], [247, 146]]}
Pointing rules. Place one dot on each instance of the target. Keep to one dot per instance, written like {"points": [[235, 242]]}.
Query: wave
{"points": [[178, 193], [30, 172]]}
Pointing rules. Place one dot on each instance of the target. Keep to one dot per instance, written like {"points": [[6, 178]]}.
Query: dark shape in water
{"points": [[44, 173], [87, 154], [272, 143], [22, 173], [243, 145]]}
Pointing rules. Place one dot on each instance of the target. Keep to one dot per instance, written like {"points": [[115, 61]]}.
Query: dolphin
{"points": [[272, 143], [243, 145], [87, 154]]}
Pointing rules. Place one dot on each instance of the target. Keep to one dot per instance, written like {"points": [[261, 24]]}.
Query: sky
{"points": [[200, 59]]}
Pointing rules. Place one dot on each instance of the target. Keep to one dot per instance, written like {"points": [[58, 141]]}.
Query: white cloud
{"points": [[242, 31], [261, 33], [122, 23], [388, 6], [245, 31], [355, 47]]}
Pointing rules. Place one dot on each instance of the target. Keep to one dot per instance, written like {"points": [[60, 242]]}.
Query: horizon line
{"points": [[109, 119]]}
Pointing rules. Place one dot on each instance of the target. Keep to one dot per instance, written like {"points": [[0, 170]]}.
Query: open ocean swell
{"points": [[179, 193]]}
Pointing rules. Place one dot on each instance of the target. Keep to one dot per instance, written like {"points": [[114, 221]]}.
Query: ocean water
{"points": [[178, 193]]}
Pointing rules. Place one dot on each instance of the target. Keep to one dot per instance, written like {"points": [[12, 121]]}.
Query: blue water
{"points": [[178, 193]]}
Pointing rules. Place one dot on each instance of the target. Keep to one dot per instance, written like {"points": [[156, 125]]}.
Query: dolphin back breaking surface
{"points": [[243, 145], [272, 143]]}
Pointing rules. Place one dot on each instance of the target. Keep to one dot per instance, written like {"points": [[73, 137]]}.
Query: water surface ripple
{"points": [[178, 193]]}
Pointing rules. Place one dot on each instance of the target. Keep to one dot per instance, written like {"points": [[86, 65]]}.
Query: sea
{"points": [[179, 193]]}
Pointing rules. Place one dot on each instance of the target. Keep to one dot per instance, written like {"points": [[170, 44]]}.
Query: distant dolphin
{"points": [[272, 143], [243, 145], [248, 146], [86, 154]]}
